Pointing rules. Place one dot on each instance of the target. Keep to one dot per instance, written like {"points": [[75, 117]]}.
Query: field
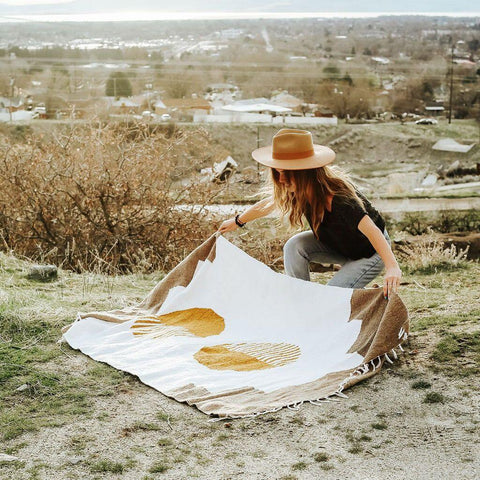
{"points": [[66, 416]]}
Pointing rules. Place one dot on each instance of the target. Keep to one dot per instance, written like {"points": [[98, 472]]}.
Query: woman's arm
{"points": [[393, 273], [258, 210]]}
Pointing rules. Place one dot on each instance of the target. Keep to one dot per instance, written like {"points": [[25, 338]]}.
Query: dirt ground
{"points": [[79, 419], [383, 430]]}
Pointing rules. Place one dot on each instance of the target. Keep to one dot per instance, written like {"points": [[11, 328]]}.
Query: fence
{"points": [[263, 118]]}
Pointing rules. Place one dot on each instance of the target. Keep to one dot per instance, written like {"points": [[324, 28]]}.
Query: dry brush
{"points": [[105, 197]]}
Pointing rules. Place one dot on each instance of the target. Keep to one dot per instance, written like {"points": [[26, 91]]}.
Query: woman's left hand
{"points": [[391, 281]]}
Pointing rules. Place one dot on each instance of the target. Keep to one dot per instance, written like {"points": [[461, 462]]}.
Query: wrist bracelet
{"points": [[238, 222]]}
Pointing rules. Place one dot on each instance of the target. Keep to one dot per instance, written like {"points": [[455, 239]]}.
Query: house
{"points": [[256, 105], [434, 109], [186, 105], [284, 99], [324, 112], [11, 104], [220, 94], [380, 60], [222, 88], [124, 105]]}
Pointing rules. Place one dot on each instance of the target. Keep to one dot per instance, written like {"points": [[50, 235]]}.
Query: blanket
{"points": [[224, 332]]}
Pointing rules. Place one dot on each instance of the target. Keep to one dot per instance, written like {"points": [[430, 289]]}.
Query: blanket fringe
{"points": [[358, 372]]}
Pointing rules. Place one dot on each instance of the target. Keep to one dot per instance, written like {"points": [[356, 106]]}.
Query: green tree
{"points": [[331, 72], [118, 85]]}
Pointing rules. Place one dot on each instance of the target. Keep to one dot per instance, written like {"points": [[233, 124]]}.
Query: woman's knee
{"points": [[295, 246]]}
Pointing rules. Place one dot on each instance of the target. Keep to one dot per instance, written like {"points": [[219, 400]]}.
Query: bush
{"points": [[430, 255], [104, 197], [447, 221]]}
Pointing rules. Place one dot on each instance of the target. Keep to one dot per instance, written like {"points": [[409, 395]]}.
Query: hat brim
{"points": [[322, 156]]}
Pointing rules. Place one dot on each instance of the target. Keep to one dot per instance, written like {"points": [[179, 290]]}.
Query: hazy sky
{"points": [[259, 5], [32, 2]]}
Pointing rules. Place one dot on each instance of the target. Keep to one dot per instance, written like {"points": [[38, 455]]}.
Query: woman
{"points": [[345, 228]]}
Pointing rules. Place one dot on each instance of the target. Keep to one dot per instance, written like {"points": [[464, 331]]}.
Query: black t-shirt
{"points": [[339, 228]]}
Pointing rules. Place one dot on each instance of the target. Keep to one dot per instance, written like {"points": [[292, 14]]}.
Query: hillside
{"points": [[370, 152]]}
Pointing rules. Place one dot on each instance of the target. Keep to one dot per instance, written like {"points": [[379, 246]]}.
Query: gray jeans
{"points": [[304, 248]]}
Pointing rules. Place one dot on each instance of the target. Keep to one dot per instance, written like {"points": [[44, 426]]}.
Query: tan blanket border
{"points": [[384, 327]]}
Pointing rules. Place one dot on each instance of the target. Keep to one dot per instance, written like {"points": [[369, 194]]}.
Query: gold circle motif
{"points": [[199, 322], [247, 356]]}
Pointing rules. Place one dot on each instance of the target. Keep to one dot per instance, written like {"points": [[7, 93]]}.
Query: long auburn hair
{"points": [[313, 189]]}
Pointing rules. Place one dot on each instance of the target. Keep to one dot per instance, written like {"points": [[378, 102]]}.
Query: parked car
{"points": [[147, 115], [426, 121], [40, 111]]}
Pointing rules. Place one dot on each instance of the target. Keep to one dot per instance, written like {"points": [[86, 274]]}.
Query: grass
{"points": [[31, 315], [379, 426], [443, 307], [165, 442], [104, 466], [434, 397], [458, 354], [138, 426], [420, 385], [299, 466], [321, 457], [159, 467], [355, 449], [444, 301]]}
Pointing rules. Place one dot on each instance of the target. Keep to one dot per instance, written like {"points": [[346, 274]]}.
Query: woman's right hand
{"points": [[228, 226]]}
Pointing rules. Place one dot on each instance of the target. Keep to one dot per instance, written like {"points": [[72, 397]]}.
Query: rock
{"points": [[8, 458], [429, 180], [414, 144], [453, 167], [43, 273], [222, 171], [441, 171], [250, 175], [74, 460], [23, 387]]}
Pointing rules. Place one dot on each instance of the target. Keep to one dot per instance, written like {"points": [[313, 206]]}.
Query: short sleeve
{"points": [[350, 211]]}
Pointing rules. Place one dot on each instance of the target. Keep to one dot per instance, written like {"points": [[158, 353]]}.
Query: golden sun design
{"points": [[204, 322], [247, 356], [198, 322]]}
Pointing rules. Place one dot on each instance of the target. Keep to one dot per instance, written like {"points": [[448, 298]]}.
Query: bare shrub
{"points": [[429, 255], [105, 197]]}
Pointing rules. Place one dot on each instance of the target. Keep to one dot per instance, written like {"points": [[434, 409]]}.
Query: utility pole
{"points": [[451, 87], [12, 91], [258, 146]]}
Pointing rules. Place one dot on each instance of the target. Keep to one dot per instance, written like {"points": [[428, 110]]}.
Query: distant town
{"points": [[308, 71]]}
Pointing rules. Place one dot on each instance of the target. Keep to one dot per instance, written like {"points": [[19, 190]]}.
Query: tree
{"points": [[118, 85], [331, 72], [347, 79]]}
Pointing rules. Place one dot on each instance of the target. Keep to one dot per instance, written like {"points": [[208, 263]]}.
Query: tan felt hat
{"points": [[294, 150]]}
